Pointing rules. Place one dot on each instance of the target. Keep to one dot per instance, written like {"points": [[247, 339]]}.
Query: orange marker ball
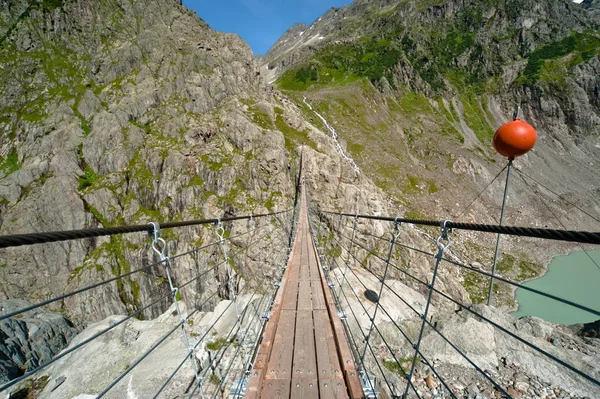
{"points": [[514, 138]]}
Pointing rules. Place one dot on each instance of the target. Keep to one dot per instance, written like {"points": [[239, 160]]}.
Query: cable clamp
{"points": [[397, 225], [220, 230], [440, 244], [155, 231]]}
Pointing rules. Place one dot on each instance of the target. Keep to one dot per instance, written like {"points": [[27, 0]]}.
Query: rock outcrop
{"points": [[30, 340]]}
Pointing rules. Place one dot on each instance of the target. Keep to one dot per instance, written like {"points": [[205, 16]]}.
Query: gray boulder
{"points": [[30, 339]]}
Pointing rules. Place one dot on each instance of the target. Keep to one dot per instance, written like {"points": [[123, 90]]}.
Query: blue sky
{"points": [[260, 22]]}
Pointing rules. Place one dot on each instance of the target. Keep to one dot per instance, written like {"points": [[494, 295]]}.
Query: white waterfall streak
{"points": [[334, 136]]}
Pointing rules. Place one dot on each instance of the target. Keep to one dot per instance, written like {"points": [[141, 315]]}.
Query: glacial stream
{"points": [[573, 277], [334, 136]]}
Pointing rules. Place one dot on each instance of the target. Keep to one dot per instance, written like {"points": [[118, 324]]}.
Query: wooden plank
{"points": [[280, 361], [304, 380], [343, 349], [333, 389], [305, 389], [327, 358], [304, 296], [293, 268], [276, 388], [290, 296], [318, 297]]}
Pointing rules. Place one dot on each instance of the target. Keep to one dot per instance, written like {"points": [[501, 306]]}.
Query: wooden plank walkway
{"points": [[304, 352]]}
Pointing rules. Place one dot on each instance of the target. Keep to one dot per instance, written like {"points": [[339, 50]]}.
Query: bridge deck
{"points": [[304, 352]]}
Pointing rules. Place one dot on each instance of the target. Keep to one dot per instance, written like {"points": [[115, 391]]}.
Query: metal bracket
{"points": [[368, 385]]}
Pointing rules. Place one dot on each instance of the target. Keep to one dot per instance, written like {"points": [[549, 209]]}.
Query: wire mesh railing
{"points": [[418, 334], [238, 271]]}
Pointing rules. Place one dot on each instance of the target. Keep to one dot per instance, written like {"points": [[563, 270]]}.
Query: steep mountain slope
{"points": [[125, 112], [120, 111], [416, 89]]}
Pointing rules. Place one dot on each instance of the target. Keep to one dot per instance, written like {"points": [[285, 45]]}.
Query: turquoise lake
{"points": [[573, 277]]}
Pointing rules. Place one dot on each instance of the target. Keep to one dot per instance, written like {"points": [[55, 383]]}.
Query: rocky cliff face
{"points": [[119, 112], [31, 340], [123, 113], [416, 90]]}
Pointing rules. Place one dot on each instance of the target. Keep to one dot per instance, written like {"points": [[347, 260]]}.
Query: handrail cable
{"points": [[68, 351], [584, 237], [110, 280], [497, 277], [397, 326], [368, 344], [502, 328], [15, 240]]}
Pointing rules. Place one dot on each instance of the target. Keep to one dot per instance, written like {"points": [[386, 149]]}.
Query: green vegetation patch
{"points": [[397, 366], [216, 344], [477, 286], [292, 136], [344, 63], [9, 164], [412, 185], [583, 45], [474, 114], [88, 178], [521, 267]]}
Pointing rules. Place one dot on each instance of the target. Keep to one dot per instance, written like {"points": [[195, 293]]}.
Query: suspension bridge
{"points": [[303, 329]]}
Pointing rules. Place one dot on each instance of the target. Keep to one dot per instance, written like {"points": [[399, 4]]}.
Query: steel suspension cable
{"points": [[367, 343], [584, 237], [481, 192], [529, 344], [110, 280], [545, 294], [15, 240], [558, 195]]}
